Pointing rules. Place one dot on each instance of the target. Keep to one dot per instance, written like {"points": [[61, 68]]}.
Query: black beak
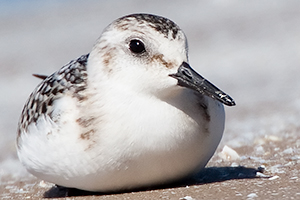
{"points": [[187, 77]]}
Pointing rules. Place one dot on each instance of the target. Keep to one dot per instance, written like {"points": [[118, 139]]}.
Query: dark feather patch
{"points": [[161, 24], [72, 76]]}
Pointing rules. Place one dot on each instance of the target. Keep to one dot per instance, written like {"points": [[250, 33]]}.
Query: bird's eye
{"points": [[137, 46]]}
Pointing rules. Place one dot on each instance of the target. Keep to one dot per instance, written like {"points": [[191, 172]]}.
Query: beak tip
{"points": [[229, 101], [232, 103]]}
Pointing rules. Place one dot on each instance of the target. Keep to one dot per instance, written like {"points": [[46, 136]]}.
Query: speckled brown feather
{"points": [[72, 76], [160, 24]]}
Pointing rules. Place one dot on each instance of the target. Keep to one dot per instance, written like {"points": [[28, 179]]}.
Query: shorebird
{"points": [[131, 113]]}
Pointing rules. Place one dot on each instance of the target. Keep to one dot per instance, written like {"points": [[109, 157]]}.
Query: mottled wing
{"points": [[70, 78]]}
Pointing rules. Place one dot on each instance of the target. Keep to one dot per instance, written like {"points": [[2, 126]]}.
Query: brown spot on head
{"points": [[103, 48], [125, 25], [107, 58], [158, 23], [160, 58]]}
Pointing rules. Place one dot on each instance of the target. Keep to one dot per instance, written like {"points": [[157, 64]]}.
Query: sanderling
{"points": [[130, 114]]}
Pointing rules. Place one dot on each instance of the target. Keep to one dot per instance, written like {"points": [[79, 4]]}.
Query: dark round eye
{"points": [[136, 46]]}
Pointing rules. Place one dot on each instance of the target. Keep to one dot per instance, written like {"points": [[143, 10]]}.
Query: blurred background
{"points": [[249, 49]]}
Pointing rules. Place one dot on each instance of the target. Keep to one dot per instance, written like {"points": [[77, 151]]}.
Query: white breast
{"points": [[136, 142]]}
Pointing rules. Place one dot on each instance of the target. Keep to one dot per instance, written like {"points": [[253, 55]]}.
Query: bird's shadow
{"points": [[205, 176]]}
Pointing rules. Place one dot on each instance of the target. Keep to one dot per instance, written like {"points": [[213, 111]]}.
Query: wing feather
{"points": [[71, 77]]}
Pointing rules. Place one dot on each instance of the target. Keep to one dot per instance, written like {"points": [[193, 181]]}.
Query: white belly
{"points": [[145, 144]]}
